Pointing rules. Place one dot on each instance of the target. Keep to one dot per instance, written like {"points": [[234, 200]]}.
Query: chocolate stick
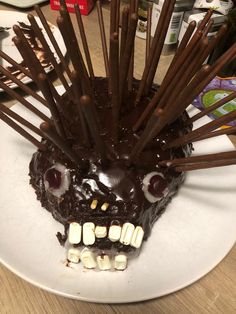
{"points": [[206, 165], [30, 58], [86, 105], [148, 36], [84, 41], [45, 88], [113, 12], [49, 133], [153, 49], [48, 51], [124, 30], [159, 45], [225, 131], [19, 119], [24, 87], [131, 66], [213, 107], [117, 16], [190, 93], [198, 158], [66, 28], [210, 126], [205, 20], [103, 37], [21, 131], [52, 39], [23, 101], [160, 118], [181, 59], [15, 64], [125, 61], [78, 94], [114, 55]]}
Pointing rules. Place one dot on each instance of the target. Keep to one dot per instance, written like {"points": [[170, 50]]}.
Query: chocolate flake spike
{"points": [[48, 51], [199, 158], [30, 58], [160, 118], [117, 16], [205, 165], [148, 39], [45, 88], [19, 119], [114, 54], [84, 41], [154, 47], [48, 131], [23, 101], [124, 30], [210, 126], [67, 31], [213, 107], [53, 40], [15, 64], [21, 131], [125, 61], [24, 87], [103, 37], [159, 46], [86, 104], [78, 94]]}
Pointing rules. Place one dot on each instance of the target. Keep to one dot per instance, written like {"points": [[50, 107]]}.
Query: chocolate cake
{"points": [[111, 192], [115, 150]]}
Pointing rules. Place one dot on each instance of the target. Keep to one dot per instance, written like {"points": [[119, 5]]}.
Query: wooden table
{"points": [[215, 293]]}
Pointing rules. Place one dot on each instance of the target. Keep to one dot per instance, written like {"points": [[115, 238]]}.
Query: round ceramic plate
{"points": [[190, 239], [8, 19]]}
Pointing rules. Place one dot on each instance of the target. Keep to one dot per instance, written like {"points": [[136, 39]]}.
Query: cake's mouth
{"points": [[115, 243]]}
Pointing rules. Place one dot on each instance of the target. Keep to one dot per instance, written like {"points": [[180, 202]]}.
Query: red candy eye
{"points": [[157, 186], [57, 180], [53, 177]]}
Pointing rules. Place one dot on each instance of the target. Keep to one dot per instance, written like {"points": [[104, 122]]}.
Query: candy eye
{"points": [[57, 180], [155, 186]]}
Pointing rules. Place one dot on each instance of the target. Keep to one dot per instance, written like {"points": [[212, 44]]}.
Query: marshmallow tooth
{"points": [[100, 232], [74, 233], [73, 255], [87, 259], [88, 233], [103, 262], [127, 233], [114, 233], [137, 237], [120, 262]]}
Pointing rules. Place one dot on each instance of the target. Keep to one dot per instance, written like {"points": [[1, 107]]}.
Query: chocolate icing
{"points": [[115, 182]]}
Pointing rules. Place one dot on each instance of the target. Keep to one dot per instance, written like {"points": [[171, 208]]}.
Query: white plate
{"points": [[23, 3], [8, 19], [191, 238]]}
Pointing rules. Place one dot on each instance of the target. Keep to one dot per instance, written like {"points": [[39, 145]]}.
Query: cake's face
{"points": [[116, 203]]}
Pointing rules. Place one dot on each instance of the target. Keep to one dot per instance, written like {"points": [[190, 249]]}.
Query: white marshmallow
{"points": [[88, 233], [87, 259], [94, 204], [114, 233], [137, 237], [127, 233], [74, 234], [73, 255], [120, 262], [104, 206], [100, 232], [103, 262]]}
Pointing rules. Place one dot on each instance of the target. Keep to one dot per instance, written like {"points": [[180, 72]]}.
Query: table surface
{"points": [[215, 293]]}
